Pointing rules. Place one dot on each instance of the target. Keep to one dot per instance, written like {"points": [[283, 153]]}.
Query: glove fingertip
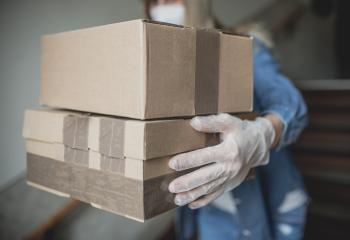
{"points": [[194, 205], [179, 201], [196, 123], [171, 188], [172, 164]]}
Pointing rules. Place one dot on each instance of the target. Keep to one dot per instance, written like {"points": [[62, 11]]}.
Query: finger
{"points": [[196, 158], [237, 179], [214, 123], [196, 178], [184, 198], [206, 200]]}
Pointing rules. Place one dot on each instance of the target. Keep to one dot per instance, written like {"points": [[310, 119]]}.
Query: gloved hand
{"points": [[244, 144]]}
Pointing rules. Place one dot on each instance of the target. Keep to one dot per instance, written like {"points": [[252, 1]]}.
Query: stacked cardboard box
{"points": [[117, 164], [151, 72]]}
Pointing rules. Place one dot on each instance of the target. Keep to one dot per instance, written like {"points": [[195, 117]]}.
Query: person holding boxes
{"points": [[128, 147], [224, 206]]}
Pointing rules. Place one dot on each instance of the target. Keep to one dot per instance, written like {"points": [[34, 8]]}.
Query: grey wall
{"points": [[231, 12], [21, 25], [309, 52]]}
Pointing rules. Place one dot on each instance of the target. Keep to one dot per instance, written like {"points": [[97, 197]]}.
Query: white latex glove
{"points": [[244, 144]]}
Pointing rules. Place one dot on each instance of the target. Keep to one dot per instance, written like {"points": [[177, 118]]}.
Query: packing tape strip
{"points": [[109, 131], [111, 134], [128, 167], [207, 71], [111, 142], [76, 156], [75, 131], [94, 160]]}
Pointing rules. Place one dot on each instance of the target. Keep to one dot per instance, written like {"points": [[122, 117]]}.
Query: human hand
{"points": [[244, 144]]}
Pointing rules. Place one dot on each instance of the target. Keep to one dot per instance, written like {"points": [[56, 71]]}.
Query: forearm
{"points": [[278, 127], [276, 95]]}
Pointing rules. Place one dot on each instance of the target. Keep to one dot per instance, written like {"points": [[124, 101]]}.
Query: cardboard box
{"points": [[146, 70], [119, 165], [105, 189], [115, 137], [128, 167], [130, 187], [115, 164]]}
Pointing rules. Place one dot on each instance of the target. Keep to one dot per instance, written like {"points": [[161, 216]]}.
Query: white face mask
{"points": [[170, 13]]}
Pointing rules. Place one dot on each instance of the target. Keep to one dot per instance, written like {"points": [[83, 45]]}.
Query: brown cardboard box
{"points": [[145, 70], [119, 165], [104, 189], [128, 167], [119, 169], [114, 137], [130, 187]]}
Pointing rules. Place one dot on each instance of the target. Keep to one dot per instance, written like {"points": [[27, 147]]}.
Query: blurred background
{"points": [[311, 41]]}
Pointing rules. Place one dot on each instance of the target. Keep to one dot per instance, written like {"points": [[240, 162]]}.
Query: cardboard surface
{"points": [[135, 199], [115, 137], [235, 56], [146, 70], [131, 168], [170, 71], [87, 157], [100, 69]]}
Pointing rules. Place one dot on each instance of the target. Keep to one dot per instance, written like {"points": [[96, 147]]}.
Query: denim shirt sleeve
{"points": [[275, 93]]}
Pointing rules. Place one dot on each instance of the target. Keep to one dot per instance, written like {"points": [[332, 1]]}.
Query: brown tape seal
{"points": [[81, 158], [112, 137], [207, 71], [111, 164], [76, 156], [75, 131]]}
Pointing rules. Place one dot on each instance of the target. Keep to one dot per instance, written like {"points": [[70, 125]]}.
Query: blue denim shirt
{"points": [[273, 93]]}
